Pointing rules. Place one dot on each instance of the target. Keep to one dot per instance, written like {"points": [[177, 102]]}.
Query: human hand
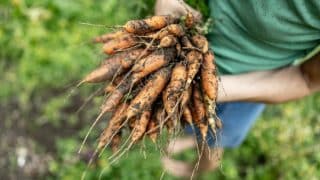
{"points": [[175, 8]]}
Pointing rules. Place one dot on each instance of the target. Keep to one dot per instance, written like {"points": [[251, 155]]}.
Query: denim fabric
{"points": [[237, 119]]}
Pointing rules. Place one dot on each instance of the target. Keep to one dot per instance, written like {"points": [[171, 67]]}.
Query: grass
{"points": [[44, 51]]}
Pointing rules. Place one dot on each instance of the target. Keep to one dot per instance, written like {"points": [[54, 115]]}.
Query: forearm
{"points": [[274, 86]]}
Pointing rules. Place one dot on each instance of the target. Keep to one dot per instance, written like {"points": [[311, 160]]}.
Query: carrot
{"points": [[118, 44], [179, 49], [187, 115], [186, 43], [176, 30], [132, 56], [117, 94], [114, 65], [151, 129], [209, 81], [109, 36], [113, 85], [168, 41], [194, 60], [141, 126], [157, 59], [141, 69], [105, 72], [113, 126], [175, 88], [200, 42], [160, 116], [172, 29], [148, 25], [199, 111], [149, 92], [185, 97], [189, 21], [210, 113], [115, 142]]}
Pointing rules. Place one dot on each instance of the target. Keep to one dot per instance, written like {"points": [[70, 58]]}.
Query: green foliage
{"points": [[45, 50]]}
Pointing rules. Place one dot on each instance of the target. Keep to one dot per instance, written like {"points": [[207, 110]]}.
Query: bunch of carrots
{"points": [[159, 74]]}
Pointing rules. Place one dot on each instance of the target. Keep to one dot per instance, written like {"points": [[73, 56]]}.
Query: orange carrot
{"points": [[209, 81], [189, 21], [141, 126], [187, 115], [199, 111], [179, 49], [172, 29], [115, 142], [185, 97], [113, 85], [200, 42], [151, 129], [174, 89], [149, 92], [113, 126], [119, 44], [109, 36], [148, 25], [194, 60], [186, 43], [168, 41], [155, 60]]}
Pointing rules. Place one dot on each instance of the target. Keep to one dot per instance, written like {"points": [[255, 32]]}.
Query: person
{"points": [[267, 52]]}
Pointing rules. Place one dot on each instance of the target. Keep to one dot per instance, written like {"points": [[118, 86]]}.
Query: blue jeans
{"points": [[237, 119]]}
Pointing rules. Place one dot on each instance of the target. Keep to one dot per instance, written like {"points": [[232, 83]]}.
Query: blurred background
{"points": [[45, 49]]}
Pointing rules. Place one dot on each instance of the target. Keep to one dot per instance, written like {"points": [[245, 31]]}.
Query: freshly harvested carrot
{"points": [[200, 42], [199, 111], [117, 94], [113, 126], [179, 49], [174, 89], [114, 65], [141, 125], [132, 56], [194, 60], [154, 61], [186, 43], [148, 25], [209, 80], [185, 97], [189, 21], [115, 142], [113, 85], [118, 44], [172, 29], [151, 129], [149, 92], [187, 115], [211, 113], [109, 36], [160, 116], [141, 69], [168, 41], [103, 73]]}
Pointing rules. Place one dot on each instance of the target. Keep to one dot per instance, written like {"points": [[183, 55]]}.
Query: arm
{"points": [[275, 86]]}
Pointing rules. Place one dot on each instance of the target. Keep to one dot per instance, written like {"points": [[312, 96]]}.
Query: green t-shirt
{"points": [[257, 35]]}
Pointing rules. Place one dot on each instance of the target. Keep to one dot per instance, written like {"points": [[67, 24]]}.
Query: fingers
{"points": [[175, 8]]}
